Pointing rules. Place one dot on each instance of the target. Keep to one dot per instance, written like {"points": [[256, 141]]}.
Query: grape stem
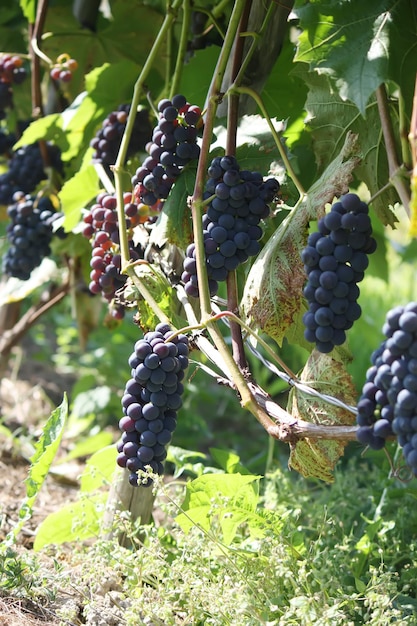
{"points": [[144, 291], [182, 50], [36, 54], [231, 136], [214, 95], [395, 170], [121, 156], [281, 150]]}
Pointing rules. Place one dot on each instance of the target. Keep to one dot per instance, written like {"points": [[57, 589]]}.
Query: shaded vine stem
{"points": [[396, 171], [231, 136], [240, 383]]}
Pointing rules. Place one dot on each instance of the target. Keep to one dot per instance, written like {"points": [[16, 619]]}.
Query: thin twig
{"points": [[395, 170]]}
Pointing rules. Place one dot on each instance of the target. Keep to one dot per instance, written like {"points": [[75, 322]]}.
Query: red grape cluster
{"points": [[388, 403], [64, 68], [102, 228], [26, 169], [29, 233], [11, 72]]}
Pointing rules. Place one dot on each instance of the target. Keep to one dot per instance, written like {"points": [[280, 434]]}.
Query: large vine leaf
{"points": [[357, 45], [317, 458], [229, 498], [329, 117], [174, 224], [272, 296]]}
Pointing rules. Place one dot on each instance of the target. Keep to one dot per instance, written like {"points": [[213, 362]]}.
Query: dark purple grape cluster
{"points": [[6, 142], [26, 170], [102, 228], [29, 234], [231, 227], [151, 400], [203, 32], [173, 145], [388, 404], [335, 260], [107, 140]]}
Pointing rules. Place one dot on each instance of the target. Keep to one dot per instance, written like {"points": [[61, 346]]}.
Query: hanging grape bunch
{"points": [[26, 169], [11, 72], [173, 145], [63, 68], [151, 400], [108, 138], [29, 234], [231, 227], [388, 403], [101, 227], [335, 259]]}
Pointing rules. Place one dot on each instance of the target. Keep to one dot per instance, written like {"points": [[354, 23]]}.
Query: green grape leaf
{"points": [[231, 499], [174, 224], [99, 469], [329, 118], [76, 521], [127, 37], [48, 128], [317, 458], [161, 291], [358, 45], [77, 193], [29, 10], [272, 296], [45, 451], [82, 119]]}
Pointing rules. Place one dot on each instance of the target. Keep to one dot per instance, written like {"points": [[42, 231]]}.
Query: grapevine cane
{"points": [[247, 400]]}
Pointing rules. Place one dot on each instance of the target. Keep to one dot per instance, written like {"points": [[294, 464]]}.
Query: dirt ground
{"points": [[24, 407]]}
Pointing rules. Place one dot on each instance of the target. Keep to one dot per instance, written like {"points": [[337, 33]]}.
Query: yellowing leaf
{"points": [[318, 457], [272, 297]]}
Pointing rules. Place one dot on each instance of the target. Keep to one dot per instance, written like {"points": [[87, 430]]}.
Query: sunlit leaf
{"points": [[231, 499], [72, 522], [45, 451], [99, 469], [77, 193]]}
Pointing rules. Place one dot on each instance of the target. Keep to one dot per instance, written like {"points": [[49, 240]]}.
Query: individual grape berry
{"points": [[26, 169], [29, 234], [173, 145], [335, 259], [387, 406], [150, 407], [231, 228]]}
